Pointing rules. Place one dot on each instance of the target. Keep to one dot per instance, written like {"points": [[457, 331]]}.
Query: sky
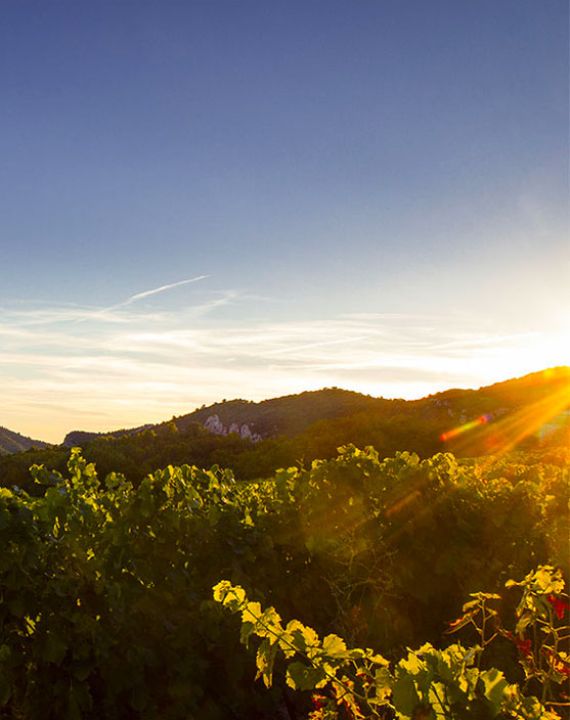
{"points": [[209, 200]]}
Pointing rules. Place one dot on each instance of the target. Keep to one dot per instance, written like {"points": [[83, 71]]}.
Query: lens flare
{"points": [[450, 434], [529, 420], [500, 433]]}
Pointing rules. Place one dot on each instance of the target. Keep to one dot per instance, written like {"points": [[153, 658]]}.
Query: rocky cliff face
{"points": [[216, 426]]}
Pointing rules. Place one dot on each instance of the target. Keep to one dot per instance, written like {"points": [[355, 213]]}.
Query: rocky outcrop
{"points": [[217, 427]]}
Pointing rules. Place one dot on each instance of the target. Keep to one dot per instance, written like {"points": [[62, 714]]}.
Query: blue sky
{"points": [[372, 194]]}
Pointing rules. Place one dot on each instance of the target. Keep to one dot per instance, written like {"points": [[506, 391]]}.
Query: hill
{"points": [[13, 442], [254, 439], [293, 414], [286, 415], [75, 438]]}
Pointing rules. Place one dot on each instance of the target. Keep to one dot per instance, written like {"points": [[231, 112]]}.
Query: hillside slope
{"points": [[294, 414], [254, 439], [13, 442]]}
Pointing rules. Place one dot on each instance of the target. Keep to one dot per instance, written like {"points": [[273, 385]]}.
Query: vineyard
{"points": [[284, 360], [122, 600]]}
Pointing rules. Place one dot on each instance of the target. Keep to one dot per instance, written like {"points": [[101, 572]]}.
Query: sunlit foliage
{"points": [[106, 606]]}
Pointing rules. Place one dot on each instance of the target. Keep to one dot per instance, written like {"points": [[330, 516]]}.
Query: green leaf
{"points": [[265, 661], [231, 596], [357, 654], [413, 664], [302, 677], [305, 639], [269, 624], [436, 697], [377, 659], [384, 683], [522, 624], [220, 590], [334, 646], [251, 613], [245, 633], [472, 604], [495, 684], [404, 695]]}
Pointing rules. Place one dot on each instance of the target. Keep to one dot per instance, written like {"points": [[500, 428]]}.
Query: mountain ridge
{"points": [[292, 414]]}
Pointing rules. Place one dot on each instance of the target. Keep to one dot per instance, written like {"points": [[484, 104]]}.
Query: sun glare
{"points": [[502, 434]]}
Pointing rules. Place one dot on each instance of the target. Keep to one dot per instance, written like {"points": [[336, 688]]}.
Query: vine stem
{"points": [[282, 638]]}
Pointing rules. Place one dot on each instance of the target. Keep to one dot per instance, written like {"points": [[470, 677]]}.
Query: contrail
{"points": [[162, 288], [140, 296]]}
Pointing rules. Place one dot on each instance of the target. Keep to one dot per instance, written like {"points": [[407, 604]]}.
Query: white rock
{"points": [[215, 425]]}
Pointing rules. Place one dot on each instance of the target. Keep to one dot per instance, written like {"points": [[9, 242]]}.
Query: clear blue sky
{"points": [[374, 180]]}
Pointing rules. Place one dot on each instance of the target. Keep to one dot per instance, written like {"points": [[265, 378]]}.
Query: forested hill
{"points": [[254, 439], [293, 414], [13, 442], [287, 415], [75, 438]]}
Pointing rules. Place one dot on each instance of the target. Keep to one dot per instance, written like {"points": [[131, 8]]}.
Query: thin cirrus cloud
{"points": [[156, 291], [50, 315], [129, 364]]}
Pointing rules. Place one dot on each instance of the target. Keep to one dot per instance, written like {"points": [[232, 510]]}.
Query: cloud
{"points": [[127, 366], [15, 319], [156, 291]]}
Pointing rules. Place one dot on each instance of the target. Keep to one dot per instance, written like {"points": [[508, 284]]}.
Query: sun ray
{"points": [[499, 435]]}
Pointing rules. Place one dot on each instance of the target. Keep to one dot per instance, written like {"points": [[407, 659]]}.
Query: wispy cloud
{"points": [[129, 365], [155, 291], [63, 314]]}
